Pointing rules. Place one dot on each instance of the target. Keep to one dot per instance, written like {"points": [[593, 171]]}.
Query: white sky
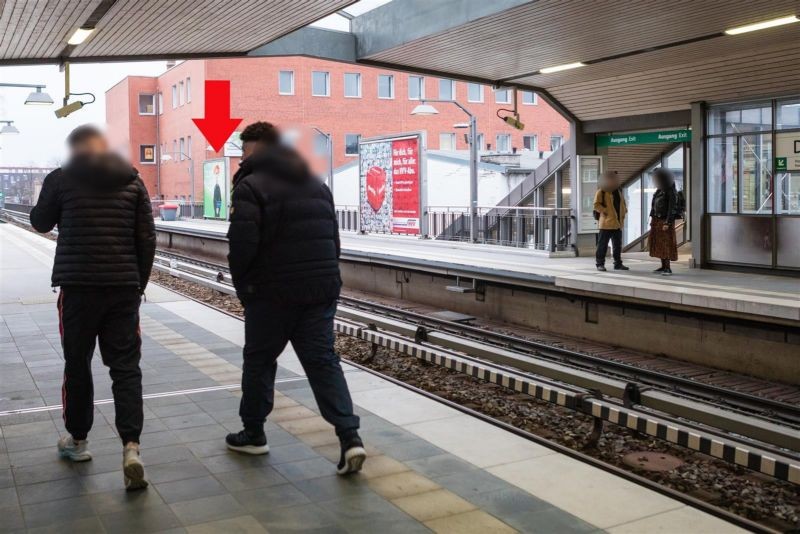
{"points": [[41, 137]]}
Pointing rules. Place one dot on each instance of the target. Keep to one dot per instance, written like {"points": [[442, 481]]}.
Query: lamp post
{"points": [[424, 108], [329, 146], [167, 156]]}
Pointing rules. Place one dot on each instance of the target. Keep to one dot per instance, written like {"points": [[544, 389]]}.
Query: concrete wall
{"points": [[717, 342]]}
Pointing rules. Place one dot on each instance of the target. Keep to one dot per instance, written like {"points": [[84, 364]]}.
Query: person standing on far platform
{"points": [[104, 255], [663, 211], [284, 261], [610, 210]]}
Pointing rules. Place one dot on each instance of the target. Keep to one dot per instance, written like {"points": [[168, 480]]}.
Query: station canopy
{"points": [[638, 56]]}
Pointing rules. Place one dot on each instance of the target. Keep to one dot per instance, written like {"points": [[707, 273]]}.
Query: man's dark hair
{"points": [[261, 132], [83, 133]]}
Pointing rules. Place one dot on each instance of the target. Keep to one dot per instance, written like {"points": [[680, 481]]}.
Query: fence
{"points": [[186, 209], [347, 217]]}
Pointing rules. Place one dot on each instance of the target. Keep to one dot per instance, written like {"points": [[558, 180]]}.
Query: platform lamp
{"points": [[9, 128], [35, 98], [425, 108]]}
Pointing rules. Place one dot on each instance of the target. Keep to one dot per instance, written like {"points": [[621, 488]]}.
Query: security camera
{"points": [[68, 109], [514, 122]]}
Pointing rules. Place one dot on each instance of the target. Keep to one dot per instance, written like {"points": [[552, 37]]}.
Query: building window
{"points": [[447, 141], [320, 83], [352, 85], [529, 98], [174, 96], [503, 142], [481, 141], [351, 144], [188, 90], [474, 92], [286, 82], [147, 104], [180, 93], [416, 87], [502, 96], [182, 149], [385, 86], [188, 147], [447, 89], [320, 144], [530, 142], [555, 142], [160, 103], [147, 154]]}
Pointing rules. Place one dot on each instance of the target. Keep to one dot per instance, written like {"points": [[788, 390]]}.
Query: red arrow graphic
{"points": [[217, 126]]}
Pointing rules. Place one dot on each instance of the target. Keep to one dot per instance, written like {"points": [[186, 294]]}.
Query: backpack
{"points": [[680, 205]]}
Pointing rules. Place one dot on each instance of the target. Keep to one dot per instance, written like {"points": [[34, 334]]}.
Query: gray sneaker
{"points": [[77, 451], [133, 468]]}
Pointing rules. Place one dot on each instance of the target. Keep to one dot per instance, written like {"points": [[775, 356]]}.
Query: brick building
{"points": [[151, 116]]}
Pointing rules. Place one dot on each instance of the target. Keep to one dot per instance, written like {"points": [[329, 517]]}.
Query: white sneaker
{"points": [[133, 468], [77, 451]]}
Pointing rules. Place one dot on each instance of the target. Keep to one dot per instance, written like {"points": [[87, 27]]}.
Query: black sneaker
{"points": [[659, 270], [601, 268], [247, 442], [666, 272], [621, 267], [353, 455]]}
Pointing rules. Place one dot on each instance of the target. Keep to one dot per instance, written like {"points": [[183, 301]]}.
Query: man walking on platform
{"points": [[284, 261], [105, 250], [610, 210]]}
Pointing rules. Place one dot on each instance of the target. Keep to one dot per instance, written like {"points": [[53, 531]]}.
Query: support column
{"points": [[696, 200]]}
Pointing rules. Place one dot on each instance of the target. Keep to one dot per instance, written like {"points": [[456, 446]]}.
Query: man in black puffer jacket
{"points": [[106, 244], [284, 260]]}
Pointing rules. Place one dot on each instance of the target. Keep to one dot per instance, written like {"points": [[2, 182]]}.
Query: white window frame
{"points": [[346, 153], [344, 88], [452, 136], [391, 86], [421, 87], [181, 95], [327, 83], [560, 143], [291, 82], [497, 143], [536, 142], [160, 103], [189, 146], [470, 85], [535, 101], [174, 96], [500, 90], [481, 142], [188, 90], [181, 149], [452, 89], [155, 154], [139, 104]]}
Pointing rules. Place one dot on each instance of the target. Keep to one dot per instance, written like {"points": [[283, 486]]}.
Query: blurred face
{"points": [[251, 147], [91, 146], [610, 181]]}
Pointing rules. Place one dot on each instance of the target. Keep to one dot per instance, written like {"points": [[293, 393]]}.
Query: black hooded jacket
{"points": [[106, 235], [283, 236]]}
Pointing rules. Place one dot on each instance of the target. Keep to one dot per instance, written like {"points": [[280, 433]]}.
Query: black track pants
{"points": [[110, 316]]}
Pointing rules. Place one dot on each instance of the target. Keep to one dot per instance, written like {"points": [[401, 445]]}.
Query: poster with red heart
{"points": [[390, 192]]}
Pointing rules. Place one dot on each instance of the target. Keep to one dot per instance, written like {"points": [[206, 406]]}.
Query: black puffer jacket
{"points": [[106, 235], [283, 236], [664, 204]]}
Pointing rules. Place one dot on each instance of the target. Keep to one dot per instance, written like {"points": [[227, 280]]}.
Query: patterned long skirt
{"points": [[662, 243]]}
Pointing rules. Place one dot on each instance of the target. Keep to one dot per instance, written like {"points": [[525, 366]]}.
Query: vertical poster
{"points": [[215, 189], [390, 185]]}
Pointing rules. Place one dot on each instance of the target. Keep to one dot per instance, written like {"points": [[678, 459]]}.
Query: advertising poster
{"points": [[216, 189], [391, 185]]}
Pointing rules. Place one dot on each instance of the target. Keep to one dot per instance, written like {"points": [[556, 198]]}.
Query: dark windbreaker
{"points": [[106, 234], [283, 236]]}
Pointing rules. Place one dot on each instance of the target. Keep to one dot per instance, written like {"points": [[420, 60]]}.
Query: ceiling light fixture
{"points": [[762, 25], [38, 98], [9, 128], [558, 68], [80, 35]]}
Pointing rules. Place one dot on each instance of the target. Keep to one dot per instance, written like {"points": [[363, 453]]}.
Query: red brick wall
{"points": [[254, 95]]}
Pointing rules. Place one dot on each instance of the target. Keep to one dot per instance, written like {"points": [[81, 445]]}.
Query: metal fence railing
{"points": [[186, 209], [347, 217]]}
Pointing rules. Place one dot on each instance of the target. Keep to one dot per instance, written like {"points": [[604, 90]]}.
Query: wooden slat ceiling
{"points": [[629, 160], [517, 43], [37, 30]]}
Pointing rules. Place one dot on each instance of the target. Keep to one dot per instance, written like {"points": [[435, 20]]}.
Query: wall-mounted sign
{"points": [[787, 150], [643, 138], [215, 188], [233, 146], [392, 184], [589, 169]]}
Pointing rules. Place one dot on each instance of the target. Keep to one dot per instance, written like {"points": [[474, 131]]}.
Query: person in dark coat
{"points": [[284, 261], [104, 255], [662, 241]]}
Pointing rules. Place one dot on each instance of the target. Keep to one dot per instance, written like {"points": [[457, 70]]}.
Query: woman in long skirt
{"points": [[662, 242]]}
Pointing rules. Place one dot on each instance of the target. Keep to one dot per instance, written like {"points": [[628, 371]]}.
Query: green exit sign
{"points": [[781, 164], [644, 138]]}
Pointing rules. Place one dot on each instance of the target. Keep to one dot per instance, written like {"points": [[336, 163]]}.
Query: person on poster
{"points": [[217, 194], [104, 219], [284, 261]]}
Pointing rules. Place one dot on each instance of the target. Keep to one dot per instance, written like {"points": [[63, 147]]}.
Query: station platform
{"points": [[754, 296], [431, 468]]}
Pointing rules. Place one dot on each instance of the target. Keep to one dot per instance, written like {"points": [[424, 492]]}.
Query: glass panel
{"points": [[385, 86], [756, 173], [504, 143], [529, 142], [446, 89], [723, 170], [415, 88], [319, 83], [788, 236], [286, 82], [320, 144], [146, 104], [474, 92], [739, 118], [352, 84], [555, 142], [741, 239], [787, 184], [674, 162], [528, 97], [447, 141], [649, 192], [633, 222], [566, 188], [788, 114], [502, 96], [351, 144]]}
